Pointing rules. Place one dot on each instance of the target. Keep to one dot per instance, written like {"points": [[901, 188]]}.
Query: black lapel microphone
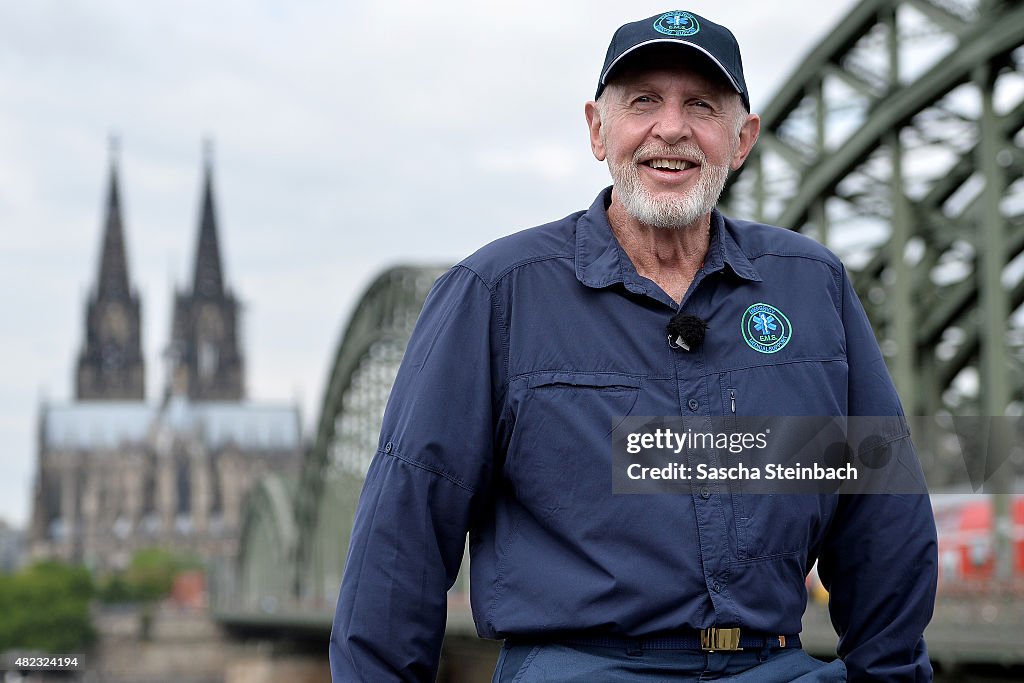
{"points": [[686, 331]]}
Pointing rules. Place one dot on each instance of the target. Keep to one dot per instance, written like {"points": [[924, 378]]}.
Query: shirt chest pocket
{"points": [[560, 445], [806, 387]]}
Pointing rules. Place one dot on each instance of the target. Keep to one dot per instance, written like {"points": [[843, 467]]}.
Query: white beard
{"points": [[668, 212]]}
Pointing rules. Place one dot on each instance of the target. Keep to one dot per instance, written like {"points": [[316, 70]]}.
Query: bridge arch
{"points": [[362, 373]]}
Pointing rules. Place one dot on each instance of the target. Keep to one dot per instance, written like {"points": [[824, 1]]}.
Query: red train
{"points": [[966, 547], [967, 559]]}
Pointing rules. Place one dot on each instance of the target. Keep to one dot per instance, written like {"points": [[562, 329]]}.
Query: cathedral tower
{"points": [[110, 365], [205, 361]]}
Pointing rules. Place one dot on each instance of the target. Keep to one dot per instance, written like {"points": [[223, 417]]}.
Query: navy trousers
{"points": [[558, 663]]}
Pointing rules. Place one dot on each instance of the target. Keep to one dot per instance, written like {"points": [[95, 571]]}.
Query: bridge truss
{"points": [[898, 144]]}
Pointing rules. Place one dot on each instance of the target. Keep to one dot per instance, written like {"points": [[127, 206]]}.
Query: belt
{"points": [[709, 640]]}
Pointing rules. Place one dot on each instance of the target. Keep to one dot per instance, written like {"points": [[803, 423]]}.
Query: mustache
{"points": [[689, 151]]}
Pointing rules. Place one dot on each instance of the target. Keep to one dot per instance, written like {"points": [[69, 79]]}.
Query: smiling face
{"points": [[670, 136]]}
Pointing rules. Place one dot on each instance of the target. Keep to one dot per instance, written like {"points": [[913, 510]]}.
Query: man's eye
{"points": [[643, 99], [702, 104]]}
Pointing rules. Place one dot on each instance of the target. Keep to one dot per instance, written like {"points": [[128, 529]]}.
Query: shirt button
{"points": [[717, 587], [388, 447], [705, 492], [693, 404]]}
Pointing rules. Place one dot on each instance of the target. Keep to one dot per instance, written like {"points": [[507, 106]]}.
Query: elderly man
{"points": [[500, 418]]}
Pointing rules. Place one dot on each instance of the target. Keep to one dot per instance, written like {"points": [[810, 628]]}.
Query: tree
{"points": [[45, 607]]}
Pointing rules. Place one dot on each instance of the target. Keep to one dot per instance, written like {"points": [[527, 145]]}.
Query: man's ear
{"points": [[594, 123], [748, 136]]}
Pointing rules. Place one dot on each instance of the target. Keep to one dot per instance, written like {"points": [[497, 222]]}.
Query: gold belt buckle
{"points": [[725, 639]]}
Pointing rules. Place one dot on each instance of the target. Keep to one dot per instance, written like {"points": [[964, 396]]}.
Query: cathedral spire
{"points": [[110, 365], [208, 279], [112, 282], [206, 362]]}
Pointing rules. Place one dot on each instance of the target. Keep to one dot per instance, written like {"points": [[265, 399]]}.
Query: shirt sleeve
{"points": [[879, 561], [425, 483]]}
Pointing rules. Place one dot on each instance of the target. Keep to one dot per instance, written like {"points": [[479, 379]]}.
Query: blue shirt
{"points": [[499, 425]]}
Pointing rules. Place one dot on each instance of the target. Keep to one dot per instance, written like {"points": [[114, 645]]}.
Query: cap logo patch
{"points": [[765, 328], [676, 24]]}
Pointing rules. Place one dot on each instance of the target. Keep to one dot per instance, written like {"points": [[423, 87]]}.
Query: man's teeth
{"points": [[670, 164]]}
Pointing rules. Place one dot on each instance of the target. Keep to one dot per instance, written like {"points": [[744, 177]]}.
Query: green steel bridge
{"points": [[897, 143]]}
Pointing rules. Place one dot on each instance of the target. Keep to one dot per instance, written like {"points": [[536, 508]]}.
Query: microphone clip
{"points": [[685, 331]]}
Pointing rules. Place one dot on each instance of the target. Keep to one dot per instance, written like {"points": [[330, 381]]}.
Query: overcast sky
{"points": [[349, 137]]}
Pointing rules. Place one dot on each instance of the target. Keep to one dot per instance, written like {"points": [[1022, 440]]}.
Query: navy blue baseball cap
{"points": [[686, 29]]}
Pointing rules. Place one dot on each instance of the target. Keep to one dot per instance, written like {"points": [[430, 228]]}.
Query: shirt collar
{"points": [[599, 258], [601, 261], [724, 250]]}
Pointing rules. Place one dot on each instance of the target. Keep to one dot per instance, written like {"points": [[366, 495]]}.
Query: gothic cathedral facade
{"points": [[116, 473]]}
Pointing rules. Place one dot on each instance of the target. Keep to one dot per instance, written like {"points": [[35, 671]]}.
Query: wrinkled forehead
{"points": [[668, 60]]}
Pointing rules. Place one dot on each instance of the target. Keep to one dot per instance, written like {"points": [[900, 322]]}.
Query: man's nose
{"points": [[673, 125]]}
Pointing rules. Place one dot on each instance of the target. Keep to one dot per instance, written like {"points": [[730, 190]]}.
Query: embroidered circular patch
{"points": [[765, 328], [676, 24]]}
